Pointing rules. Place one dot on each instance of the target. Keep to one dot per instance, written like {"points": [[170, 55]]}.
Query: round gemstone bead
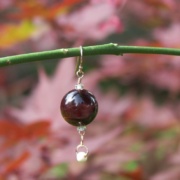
{"points": [[79, 107]]}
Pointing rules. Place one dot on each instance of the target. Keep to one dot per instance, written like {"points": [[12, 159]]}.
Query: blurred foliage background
{"points": [[136, 133]]}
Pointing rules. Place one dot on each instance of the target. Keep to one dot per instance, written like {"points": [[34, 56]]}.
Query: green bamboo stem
{"points": [[113, 49]]}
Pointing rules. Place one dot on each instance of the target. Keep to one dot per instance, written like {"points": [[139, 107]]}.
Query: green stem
{"points": [[111, 48]]}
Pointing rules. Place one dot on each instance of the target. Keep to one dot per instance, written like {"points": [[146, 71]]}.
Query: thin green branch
{"points": [[111, 48]]}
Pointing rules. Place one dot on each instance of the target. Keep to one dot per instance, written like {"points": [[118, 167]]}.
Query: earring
{"points": [[79, 108]]}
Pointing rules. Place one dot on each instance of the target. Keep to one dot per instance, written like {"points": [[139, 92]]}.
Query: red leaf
{"points": [[58, 8], [13, 165], [134, 175], [11, 132], [30, 10], [37, 129]]}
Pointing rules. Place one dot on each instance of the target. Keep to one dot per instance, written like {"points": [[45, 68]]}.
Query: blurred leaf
{"points": [[31, 9], [159, 4], [169, 133], [13, 132], [38, 129], [130, 166], [62, 7], [136, 146], [13, 34], [59, 171], [135, 174], [14, 164]]}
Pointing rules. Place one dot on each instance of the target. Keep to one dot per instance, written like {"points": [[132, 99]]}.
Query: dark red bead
{"points": [[79, 107]]}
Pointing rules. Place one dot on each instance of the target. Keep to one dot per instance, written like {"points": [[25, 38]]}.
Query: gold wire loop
{"points": [[82, 139], [79, 72], [82, 133], [82, 147], [81, 130]]}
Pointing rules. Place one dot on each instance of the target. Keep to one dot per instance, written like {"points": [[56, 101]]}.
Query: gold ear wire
{"points": [[79, 66]]}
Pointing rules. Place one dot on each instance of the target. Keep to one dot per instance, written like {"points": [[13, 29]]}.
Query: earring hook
{"points": [[80, 57], [80, 72], [81, 51]]}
